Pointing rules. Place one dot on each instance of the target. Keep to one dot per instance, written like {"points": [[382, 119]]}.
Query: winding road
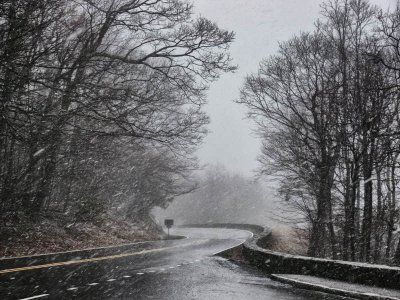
{"points": [[169, 269]]}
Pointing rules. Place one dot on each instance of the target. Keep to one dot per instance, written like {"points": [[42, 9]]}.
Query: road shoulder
{"points": [[340, 288]]}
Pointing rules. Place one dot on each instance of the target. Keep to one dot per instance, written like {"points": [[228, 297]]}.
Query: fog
{"points": [[118, 116], [223, 197], [232, 146], [259, 26]]}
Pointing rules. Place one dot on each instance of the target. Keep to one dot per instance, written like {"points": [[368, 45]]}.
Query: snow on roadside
{"points": [[56, 235], [341, 287]]}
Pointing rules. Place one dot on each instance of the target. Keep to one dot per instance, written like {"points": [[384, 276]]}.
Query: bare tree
{"points": [[120, 72]]}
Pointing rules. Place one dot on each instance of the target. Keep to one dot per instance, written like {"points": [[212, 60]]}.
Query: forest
{"points": [[102, 104], [102, 111], [326, 107]]}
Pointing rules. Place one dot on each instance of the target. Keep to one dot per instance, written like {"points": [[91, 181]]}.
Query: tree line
{"points": [[221, 197], [101, 103], [327, 109]]}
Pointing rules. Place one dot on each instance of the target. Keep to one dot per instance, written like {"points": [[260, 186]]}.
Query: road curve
{"points": [[173, 269]]}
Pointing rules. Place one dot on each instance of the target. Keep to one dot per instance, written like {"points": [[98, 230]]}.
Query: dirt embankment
{"points": [[54, 234], [288, 240], [283, 239]]}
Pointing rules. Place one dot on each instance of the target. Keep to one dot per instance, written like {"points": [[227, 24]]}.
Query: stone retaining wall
{"points": [[255, 251]]}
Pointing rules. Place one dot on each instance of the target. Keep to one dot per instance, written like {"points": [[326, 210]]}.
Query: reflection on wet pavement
{"points": [[184, 269]]}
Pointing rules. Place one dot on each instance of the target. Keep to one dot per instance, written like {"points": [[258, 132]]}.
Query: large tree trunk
{"points": [[392, 208], [322, 237], [368, 166], [366, 233], [379, 218], [347, 215], [349, 234]]}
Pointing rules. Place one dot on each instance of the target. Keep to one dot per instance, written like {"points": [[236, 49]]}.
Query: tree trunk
{"points": [[349, 232], [379, 218], [366, 231], [392, 208], [321, 235], [367, 218], [396, 258]]}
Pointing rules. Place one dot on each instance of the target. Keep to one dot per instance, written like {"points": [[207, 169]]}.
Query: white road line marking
{"points": [[171, 267], [35, 297], [126, 276], [179, 265], [72, 289], [162, 269], [139, 273], [152, 271], [197, 260], [111, 279], [93, 284]]}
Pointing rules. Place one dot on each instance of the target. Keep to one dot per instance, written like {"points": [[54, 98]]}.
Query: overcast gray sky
{"points": [[259, 26]]}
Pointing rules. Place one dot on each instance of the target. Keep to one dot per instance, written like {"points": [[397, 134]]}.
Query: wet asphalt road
{"points": [[174, 269]]}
